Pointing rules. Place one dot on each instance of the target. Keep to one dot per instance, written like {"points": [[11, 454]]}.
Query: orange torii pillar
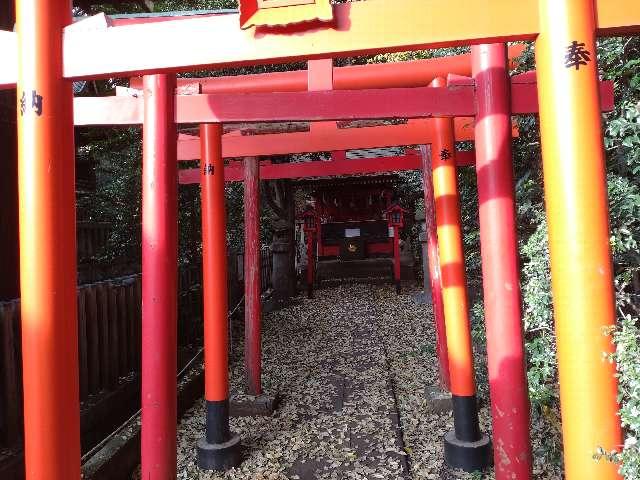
{"points": [[465, 446], [577, 213], [500, 269], [159, 279], [47, 245], [252, 307], [433, 260], [219, 449]]}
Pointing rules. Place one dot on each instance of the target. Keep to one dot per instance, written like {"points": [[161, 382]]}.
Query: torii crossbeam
{"points": [[386, 103]]}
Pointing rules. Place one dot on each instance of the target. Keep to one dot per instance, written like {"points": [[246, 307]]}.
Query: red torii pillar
{"points": [[577, 213], [395, 220], [319, 78], [159, 279], [252, 307], [47, 245], [500, 272], [434, 268], [465, 446], [396, 259], [310, 226], [219, 449]]}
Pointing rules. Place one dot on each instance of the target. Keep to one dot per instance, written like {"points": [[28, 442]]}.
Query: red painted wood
{"points": [[269, 171], [396, 255], [326, 105], [252, 310], [376, 248], [500, 272], [524, 94], [286, 106], [319, 78], [415, 73], [420, 102], [47, 223], [159, 281], [338, 155], [434, 268], [412, 133], [214, 265], [311, 264], [320, 75]]}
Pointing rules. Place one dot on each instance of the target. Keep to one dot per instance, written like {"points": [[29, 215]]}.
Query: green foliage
{"points": [[618, 59], [116, 154], [627, 338], [176, 5]]}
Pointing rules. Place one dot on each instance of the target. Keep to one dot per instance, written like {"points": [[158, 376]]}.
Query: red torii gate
{"points": [[522, 101], [575, 193], [511, 301], [414, 73], [90, 110], [411, 160]]}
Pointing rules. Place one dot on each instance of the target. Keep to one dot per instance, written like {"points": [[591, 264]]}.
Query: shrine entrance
{"points": [[354, 238]]}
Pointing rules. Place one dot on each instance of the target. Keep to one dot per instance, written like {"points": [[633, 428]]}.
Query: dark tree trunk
{"points": [[279, 196]]}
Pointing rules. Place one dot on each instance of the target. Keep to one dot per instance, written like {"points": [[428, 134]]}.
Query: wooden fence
{"points": [[91, 238], [109, 337], [10, 374], [266, 267]]}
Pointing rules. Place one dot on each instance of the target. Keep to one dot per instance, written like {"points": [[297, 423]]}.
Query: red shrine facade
{"points": [[352, 220]]}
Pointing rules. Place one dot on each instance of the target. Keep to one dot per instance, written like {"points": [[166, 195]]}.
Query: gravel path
{"points": [[351, 367]]}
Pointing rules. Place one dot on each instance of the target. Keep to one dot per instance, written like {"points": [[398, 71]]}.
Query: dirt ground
{"points": [[350, 368]]}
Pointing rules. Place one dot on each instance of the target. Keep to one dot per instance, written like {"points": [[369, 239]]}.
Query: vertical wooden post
{"points": [[500, 273], [311, 264], [465, 446], [218, 450], [159, 279], [577, 212], [434, 267], [396, 259], [252, 311], [47, 244]]}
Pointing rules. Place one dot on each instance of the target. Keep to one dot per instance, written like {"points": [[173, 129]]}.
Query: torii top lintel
{"points": [[106, 51]]}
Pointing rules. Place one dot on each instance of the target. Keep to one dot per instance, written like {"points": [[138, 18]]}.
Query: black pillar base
{"points": [[309, 291], [467, 456], [219, 456], [398, 288]]}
